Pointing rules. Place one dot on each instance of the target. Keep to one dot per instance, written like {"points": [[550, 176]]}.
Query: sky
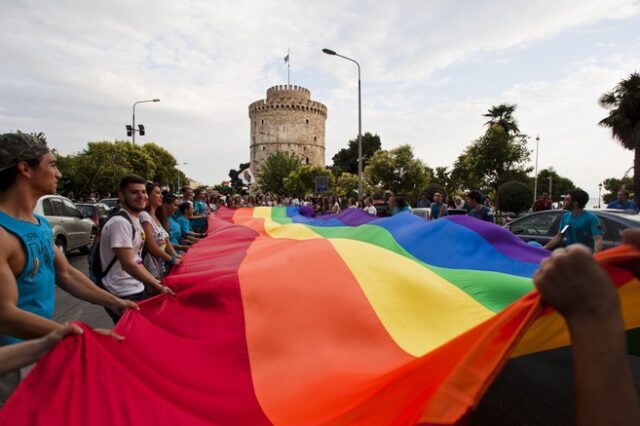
{"points": [[430, 69]]}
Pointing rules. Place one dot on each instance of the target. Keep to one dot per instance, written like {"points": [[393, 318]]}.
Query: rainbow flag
{"points": [[341, 319]]}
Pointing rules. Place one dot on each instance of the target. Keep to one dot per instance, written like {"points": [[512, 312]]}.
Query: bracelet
{"points": [[173, 260]]}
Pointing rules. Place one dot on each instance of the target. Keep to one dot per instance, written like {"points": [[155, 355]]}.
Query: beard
{"points": [[132, 208]]}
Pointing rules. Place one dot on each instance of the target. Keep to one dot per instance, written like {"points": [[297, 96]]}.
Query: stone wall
{"points": [[287, 120]]}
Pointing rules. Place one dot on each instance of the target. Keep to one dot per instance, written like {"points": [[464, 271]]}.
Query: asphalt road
{"points": [[531, 390]]}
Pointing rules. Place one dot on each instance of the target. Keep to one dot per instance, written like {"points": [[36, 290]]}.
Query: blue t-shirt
{"points": [[435, 210], [175, 234], [199, 208], [185, 226], [483, 213], [37, 279], [628, 205], [582, 228]]}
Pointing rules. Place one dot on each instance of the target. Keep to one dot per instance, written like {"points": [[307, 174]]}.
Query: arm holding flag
{"points": [[582, 292]]}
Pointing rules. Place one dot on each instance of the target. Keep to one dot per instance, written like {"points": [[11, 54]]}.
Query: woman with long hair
{"points": [[158, 249], [166, 216]]}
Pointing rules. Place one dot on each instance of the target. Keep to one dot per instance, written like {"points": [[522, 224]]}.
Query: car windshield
{"points": [[87, 210]]}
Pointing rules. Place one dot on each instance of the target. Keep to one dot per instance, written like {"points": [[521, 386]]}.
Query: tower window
{"points": [[261, 121], [264, 147], [315, 138], [307, 160], [307, 121]]}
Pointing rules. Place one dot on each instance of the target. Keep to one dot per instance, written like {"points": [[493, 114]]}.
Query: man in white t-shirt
{"points": [[123, 240]]}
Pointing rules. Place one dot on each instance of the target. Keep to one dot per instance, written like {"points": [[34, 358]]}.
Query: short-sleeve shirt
{"points": [[160, 236], [117, 234], [582, 228], [483, 213], [175, 234], [628, 205]]}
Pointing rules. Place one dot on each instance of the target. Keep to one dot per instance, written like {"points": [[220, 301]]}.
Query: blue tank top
{"points": [[37, 279]]}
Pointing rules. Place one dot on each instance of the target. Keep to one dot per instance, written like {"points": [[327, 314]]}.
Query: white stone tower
{"points": [[288, 120]]}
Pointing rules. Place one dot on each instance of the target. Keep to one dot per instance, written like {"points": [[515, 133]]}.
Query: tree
{"points": [[347, 184], [559, 185], [398, 171], [165, 171], [236, 182], [502, 115], [275, 169], [492, 160], [101, 165], [612, 185], [514, 197], [624, 120], [301, 182], [346, 160]]}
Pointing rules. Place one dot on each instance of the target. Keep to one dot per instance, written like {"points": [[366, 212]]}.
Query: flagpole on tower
{"points": [[288, 68]]}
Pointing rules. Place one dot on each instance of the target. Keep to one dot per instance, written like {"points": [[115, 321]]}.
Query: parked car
{"points": [[71, 230], [111, 202], [423, 212], [97, 212], [543, 226]]}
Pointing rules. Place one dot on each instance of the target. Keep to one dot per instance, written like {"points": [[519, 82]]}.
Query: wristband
{"points": [[173, 260]]}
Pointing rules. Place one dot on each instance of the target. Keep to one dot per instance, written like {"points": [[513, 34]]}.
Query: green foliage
{"points": [[346, 160], [434, 187], [301, 181], [397, 170], [493, 159], [612, 185], [624, 120], [514, 197], [236, 182], [276, 168], [502, 116], [559, 185], [347, 184], [165, 165], [102, 164]]}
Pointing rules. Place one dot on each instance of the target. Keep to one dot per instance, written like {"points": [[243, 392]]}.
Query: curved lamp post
{"points": [[332, 53], [133, 121]]}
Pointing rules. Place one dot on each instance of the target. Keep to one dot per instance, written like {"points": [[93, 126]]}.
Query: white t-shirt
{"points": [[371, 210], [117, 234]]}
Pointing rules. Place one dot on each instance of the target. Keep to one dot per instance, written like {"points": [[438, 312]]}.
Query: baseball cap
{"points": [[16, 147]]}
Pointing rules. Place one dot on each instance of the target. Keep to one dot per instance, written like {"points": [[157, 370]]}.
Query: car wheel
{"points": [[62, 244], [92, 240]]}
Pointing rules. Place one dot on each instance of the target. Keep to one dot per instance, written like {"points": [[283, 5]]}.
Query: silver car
{"points": [[71, 229]]}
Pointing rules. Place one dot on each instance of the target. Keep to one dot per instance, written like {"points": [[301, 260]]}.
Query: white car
{"points": [[71, 229]]}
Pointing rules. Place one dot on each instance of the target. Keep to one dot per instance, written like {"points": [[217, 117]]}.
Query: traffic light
{"points": [[129, 130], [140, 129]]}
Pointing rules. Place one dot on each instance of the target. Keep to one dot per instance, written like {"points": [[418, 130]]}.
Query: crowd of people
{"points": [[152, 229]]}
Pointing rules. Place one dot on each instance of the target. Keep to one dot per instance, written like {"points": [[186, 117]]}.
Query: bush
{"points": [[514, 197], [432, 188]]}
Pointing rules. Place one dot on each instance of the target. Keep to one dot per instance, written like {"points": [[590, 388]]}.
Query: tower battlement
{"points": [[287, 120]]}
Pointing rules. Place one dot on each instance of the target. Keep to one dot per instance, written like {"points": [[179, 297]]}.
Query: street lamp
{"points": [[179, 171], [535, 184], [332, 53], [133, 129], [599, 194]]}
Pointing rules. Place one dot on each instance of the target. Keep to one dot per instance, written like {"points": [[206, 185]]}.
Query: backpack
{"points": [[96, 273]]}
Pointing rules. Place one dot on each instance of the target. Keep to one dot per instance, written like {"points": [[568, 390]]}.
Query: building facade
{"points": [[287, 121]]}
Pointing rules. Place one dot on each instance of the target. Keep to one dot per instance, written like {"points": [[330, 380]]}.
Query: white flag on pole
{"points": [[246, 176]]}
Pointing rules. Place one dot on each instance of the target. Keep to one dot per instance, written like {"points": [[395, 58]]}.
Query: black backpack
{"points": [[96, 273]]}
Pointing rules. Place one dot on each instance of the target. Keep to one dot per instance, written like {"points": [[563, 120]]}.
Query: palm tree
{"points": [[624, 120], [502, 115]]}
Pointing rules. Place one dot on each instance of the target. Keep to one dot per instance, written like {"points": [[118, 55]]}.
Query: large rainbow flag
{"points": [[284, 319]]}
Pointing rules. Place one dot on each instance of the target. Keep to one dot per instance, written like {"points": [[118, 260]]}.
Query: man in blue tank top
{"points": [[30, 264]]}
